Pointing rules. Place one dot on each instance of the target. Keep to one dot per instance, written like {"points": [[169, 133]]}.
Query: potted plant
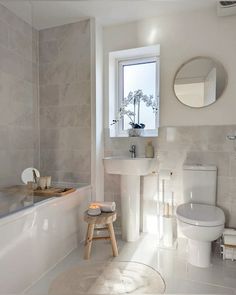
{"points": [[134, 99]]}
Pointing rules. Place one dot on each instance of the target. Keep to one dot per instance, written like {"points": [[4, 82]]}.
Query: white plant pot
{"points": [[135, 132]]}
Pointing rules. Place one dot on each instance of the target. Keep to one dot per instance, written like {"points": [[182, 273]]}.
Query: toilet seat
{"points": [[200, 214]]}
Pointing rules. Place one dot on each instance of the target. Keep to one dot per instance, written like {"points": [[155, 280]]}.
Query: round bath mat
{"points": [[109, 278]]}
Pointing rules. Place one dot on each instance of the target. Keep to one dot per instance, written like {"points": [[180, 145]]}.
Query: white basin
{"points": [[130, 170], [130, 166]]}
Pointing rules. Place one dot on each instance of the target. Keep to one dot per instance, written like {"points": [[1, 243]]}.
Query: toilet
{"points": [[198, 218]]}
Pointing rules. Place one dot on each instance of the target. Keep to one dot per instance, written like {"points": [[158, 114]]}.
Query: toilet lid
{"points": [[200, 214]]}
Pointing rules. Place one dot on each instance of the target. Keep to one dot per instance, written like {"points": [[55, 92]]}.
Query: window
{"points": [[138, 94], [133, 90]]}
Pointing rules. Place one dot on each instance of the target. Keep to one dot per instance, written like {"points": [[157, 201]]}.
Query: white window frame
{"points": [[120, 90]]}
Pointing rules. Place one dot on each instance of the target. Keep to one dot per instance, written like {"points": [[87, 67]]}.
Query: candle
{"points": [[94, 209]]}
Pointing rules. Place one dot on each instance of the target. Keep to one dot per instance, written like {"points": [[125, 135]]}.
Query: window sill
{"points": [[146, 133]]}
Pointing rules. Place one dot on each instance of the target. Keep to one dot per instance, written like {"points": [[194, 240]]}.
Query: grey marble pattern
{"points": [[178, 145], [18, 97], [65, 105]]}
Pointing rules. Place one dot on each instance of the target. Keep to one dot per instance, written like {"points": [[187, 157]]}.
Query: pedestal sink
{"points": [[130, 170]]}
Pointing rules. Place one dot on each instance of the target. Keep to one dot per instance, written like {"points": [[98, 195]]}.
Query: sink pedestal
{"points": [[130, 207], [130, 169]]}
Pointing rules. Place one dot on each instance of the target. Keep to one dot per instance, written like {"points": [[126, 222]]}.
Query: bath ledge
{"points": [[11, 217]]}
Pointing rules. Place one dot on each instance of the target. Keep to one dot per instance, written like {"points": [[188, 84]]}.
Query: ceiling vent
{"points": [[226, 8]]}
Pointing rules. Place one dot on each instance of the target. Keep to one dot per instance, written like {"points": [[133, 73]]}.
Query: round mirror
{"points": [[200, 82], [28, 175]]}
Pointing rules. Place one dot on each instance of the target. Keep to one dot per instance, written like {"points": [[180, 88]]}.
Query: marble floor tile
{"points": [[179, 276], [112, 277]]}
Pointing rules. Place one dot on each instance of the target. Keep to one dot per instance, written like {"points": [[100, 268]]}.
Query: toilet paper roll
{"points": [[165, 174]]}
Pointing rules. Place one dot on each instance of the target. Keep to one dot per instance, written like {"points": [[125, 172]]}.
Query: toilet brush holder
{"points": [[168, 231]]}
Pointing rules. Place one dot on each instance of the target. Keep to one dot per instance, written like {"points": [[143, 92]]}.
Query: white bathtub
{"points": [[33, 240]]}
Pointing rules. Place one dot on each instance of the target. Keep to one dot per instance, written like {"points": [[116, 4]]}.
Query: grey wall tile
{"points": [[49, 95], [77, 93], [48, 51], [65, 106], [19, 130], [11, 63], [4, 33]]}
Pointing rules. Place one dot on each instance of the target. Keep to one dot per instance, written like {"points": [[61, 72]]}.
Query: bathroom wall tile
{"points": [[4, 31], [65, 160], [22, 92], [232, 189], [75, 93], [5, 90], [22, 138], [68, 176], [48, 51], [218, 134], [179, 135], [22, 115], [49, 95], [220, 159], [232, 215], [55, 33], [30, 71], [171, 159], [68, 116], [60, 72], [75, 48], [49, 117], [21, 43], [65, 112], [112, 183], [83, 71], [11, 19], [18, 97], [5, 162], [47, 35], [71, 116], [35, 46], [66, 138], [232, 164], [49, 138], [76, 138], [11, 63], [4, 135], [75, 177], [223, 189]]}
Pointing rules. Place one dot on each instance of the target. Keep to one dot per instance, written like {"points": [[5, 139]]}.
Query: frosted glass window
{"points": [[140, 75]]}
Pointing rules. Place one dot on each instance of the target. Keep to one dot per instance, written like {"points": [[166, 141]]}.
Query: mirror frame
{"points": [[186, 62]]}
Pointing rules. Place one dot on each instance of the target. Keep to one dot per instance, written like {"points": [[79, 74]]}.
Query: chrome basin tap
{"points": [[133, 151]]}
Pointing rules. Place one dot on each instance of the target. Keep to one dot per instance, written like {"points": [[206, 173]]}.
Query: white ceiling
{"points": [[44, 14]]}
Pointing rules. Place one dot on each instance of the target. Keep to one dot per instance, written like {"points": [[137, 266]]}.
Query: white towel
{"points": [[106, 206]]}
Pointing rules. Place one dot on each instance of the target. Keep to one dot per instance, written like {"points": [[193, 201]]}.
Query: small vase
{"points": [[135, 132]]}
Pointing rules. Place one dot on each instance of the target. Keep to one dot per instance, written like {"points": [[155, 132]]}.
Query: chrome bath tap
{"points": [[133, 151]]}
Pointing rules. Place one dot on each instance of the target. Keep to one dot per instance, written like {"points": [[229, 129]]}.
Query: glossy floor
{"points": [[179, 276]]}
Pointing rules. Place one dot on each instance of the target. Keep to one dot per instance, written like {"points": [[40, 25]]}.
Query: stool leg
{"points": [[113, 239], [88, 243], [85, 241]]}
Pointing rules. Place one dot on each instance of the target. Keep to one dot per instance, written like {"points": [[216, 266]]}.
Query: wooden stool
{"points": [[105, 218]]}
